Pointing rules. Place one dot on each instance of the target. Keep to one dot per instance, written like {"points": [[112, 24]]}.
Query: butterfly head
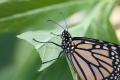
{"points": [[66, 35]]}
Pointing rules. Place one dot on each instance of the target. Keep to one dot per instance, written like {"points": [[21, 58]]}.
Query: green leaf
{"points": [[87, 28], [27, 62], [49, 50], [101, 25], [92, 26], [35, 13]]}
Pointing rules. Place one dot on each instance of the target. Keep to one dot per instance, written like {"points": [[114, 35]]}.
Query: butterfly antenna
{"points": [[64, 20], [57, 24]]}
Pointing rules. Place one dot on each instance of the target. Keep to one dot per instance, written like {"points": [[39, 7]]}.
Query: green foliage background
{"points": [[19, 60]]}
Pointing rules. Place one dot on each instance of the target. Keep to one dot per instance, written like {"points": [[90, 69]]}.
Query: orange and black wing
{"points": [[95, 60]]}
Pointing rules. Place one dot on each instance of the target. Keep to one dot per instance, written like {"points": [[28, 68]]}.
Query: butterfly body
{"points": [[66, 42], [92, 59]]}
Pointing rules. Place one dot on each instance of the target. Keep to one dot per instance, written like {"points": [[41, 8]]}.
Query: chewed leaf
{"points": [[38, 35], [47, 51]]}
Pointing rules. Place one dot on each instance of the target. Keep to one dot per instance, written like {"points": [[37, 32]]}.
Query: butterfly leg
{"points": [[54, 34], [54, 59], [47, 42]]}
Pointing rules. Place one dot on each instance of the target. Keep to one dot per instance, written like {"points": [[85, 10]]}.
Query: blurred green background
{"points": [[19, 60]]}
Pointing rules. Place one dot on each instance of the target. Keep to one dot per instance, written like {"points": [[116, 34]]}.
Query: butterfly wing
{"points": [[94, 59]]}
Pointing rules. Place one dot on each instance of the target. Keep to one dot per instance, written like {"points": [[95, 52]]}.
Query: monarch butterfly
{"points": [[92, 59]]}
